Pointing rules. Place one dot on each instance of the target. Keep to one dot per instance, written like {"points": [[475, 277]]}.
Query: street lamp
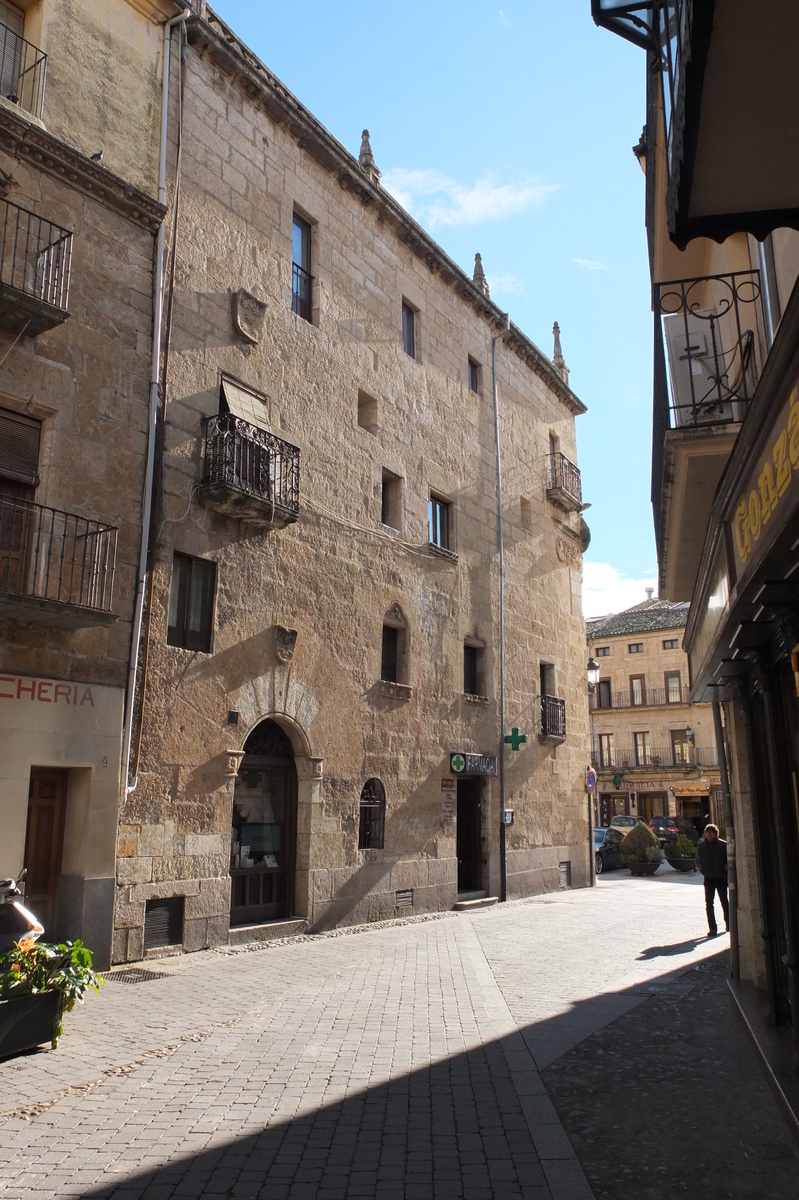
{"points": [[593, 674]]}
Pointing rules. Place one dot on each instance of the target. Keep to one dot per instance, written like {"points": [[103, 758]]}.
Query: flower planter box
{"points": [[639, 868], [29, 1021], [682, 864]]}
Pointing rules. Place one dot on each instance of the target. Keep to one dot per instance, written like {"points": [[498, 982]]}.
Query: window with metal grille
{"points": [[301, 268], [438, 516], [372, 816], [474, 376], [408, 329], [565, 874], [163, 922], [191, 603]]}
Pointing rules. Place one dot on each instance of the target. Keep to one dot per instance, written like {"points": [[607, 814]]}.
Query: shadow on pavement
{"points": [[476, 1125], [674, 948]]}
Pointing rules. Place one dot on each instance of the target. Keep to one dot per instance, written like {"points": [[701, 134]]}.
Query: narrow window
{"points": [[606, 753], [641, 749], [372, 816], [635, 648], [473, 670], [408, 330], [601, 651], [673, 687], [191, 603], [637, 690], [438, 518], [301, 268], [367, 412], [680, 747], [547, 677], [474, 376], [389, 660], [391, 500], [604, 694]]}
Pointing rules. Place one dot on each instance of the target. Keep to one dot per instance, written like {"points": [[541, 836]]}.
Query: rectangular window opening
{"points": [[191, 603], [408, 329], [474, 376], [391, 500], [637, 690], [635, 648], [673, 687], [389, 661], [547, 677], [367, 412], [602, 652], [301, 292], [671, 644], [438, 515], [473, 684]]}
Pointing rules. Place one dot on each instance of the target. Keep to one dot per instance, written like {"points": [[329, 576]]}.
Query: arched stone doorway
{"points": [[264, 829]]}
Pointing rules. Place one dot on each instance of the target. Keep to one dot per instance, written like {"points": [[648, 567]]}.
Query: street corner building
{"points": [[653, 750], [76, 253], [319, 736], [722, 210]]}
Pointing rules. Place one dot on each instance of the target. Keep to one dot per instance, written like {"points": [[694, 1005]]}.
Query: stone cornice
{"points": [[33, 144], [211, 36]]}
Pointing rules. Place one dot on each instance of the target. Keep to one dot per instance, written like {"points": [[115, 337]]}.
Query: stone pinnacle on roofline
{"points": [[366, 159], [479, 277], [557, 355]]}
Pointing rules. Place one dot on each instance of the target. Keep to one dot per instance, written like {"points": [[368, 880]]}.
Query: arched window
{"points": [[372, 818]]}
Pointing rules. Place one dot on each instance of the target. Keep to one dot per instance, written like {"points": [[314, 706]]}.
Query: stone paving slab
{"points": [[395, 1062]]}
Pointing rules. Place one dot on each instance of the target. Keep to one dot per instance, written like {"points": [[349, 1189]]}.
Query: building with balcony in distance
{"points": [[654, 752], [76, 254], [722, 213], [320, 673]]}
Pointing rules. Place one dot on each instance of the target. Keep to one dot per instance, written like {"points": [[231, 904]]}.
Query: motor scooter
{"points": [[16, 921]]}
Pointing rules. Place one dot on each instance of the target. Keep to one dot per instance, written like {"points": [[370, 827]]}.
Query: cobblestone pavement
{"points": [[397, 1062]]}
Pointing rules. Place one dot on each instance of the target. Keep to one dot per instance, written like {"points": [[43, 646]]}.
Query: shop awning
{"points": [[248, 405]]}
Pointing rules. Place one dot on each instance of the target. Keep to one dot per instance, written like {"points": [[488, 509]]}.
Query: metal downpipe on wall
{"points": [[152, 416], [503, 864]]}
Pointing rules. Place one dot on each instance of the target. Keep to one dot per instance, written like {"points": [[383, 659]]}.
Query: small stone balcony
{"points": [[35, 260], [249, 473], [564, 487]]}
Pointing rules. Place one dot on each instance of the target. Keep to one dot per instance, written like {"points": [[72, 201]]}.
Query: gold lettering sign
{"points": [[769, 482]]}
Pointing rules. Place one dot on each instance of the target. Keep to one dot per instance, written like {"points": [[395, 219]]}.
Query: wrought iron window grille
{"points": [[301, 291], [250, 460], [553, 718]]}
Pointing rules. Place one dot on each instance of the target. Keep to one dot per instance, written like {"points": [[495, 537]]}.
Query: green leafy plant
{"points": [[640, 845], [31, 968], [683, 847]]}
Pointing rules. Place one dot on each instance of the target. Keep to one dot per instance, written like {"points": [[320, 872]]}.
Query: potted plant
{"points": [[640, 850], [39, 982], [681, 853]]}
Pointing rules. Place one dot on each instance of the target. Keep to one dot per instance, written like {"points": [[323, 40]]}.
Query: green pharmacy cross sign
{"points": [[515, 739]]}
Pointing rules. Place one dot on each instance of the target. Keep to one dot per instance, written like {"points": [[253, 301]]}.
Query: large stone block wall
{"points": [[334, 574]]}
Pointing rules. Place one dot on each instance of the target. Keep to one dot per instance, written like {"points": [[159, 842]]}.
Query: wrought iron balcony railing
{"points": [[22, 72], [628, 758], [712, 328], [250, 473], [553, 719], [563, 481], [650, 698], [35, 258], [56, 557], [301, 291]]}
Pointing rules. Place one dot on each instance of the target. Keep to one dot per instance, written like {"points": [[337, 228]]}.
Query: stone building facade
{"points": [[653, 750], [320, 675], [76, 254]]}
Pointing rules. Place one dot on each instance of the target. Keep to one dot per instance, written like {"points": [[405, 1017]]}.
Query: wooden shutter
{"points": [[19, 448]]}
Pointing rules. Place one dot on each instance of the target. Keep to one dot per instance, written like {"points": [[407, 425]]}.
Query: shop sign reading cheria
{"points": [[769, 481]]}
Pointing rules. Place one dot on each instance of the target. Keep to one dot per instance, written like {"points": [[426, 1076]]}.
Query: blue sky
{"points": [[508, 131]]}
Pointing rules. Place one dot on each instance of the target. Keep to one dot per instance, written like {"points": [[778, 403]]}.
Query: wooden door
{"points": [[44, 842]]}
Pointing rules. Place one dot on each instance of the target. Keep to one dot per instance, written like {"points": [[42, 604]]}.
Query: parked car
{"points": [[625, 824], [607, 849], [668, 829]]}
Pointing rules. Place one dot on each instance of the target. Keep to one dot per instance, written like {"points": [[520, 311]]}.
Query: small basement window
{"points": [[163, 922]]}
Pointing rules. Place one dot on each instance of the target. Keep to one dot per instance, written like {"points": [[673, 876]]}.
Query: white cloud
{"points": [[505, 20], [590, 264], [438, 200], [504, 284], [607, 590]]}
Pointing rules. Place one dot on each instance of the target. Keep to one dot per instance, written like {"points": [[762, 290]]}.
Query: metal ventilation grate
{"points": [[134, 975], [405, 902], [163, 922], [565, 874]]}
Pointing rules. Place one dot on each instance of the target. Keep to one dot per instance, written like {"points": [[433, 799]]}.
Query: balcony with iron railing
{"points": [[601, 700], [35, 260], [683, 755], [56, 568], [249, 473], [22, 72], [553, 719], [564, 487]]}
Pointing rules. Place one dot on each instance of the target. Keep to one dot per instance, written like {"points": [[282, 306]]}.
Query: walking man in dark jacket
{"points": [[711, 858]]}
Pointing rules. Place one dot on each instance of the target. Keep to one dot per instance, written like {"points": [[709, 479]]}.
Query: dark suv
{"points": [[668, 829]]}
